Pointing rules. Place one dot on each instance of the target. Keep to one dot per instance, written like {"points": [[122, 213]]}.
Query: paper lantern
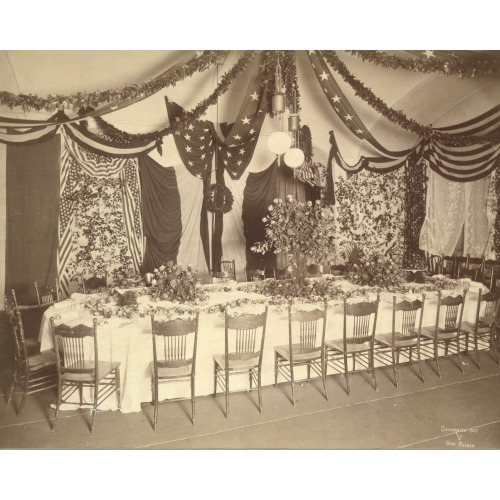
{"points": [[278, 103], [293, 123], [294, 157], [279, 142]]}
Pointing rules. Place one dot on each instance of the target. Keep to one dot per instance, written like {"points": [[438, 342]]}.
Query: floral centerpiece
{"points": [[304, 232], [173, 283], [371, 268]]}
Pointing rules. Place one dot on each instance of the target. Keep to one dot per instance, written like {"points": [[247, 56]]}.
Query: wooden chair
{"points": [[34, 371], [433, 264], [405, 335], [47, 295], [31, 344], [358, 341], [227, 271], [453, 307], [174, 356], [469, 267], [484, 327], [255, 274], [79, 366], [244, 346], [306, 347], [491, 273], [94, 284], [448, 265]]}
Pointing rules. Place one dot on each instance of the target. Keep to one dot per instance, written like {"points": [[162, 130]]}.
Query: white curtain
{"points": [[451, 206]]}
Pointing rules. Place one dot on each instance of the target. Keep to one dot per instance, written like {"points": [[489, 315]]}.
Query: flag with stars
{"points": [[345, 111]]}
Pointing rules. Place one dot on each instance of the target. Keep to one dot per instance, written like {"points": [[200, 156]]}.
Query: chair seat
{"points": [[469, 327], [174, 372], [386, 338], [42, 360], [430, 332], [236, 364], [104, 368], [32, 346], [338, 345], [298, 353]]}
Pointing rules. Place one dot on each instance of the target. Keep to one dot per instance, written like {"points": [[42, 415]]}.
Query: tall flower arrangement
{"points": [[305, 232]]}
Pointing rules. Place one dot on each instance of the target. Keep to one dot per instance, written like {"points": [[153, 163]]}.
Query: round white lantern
{"points": [[279, 142], [294, 157]]}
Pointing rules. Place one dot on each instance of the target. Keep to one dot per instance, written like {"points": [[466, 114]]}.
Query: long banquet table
{"points": [[129, 341]]}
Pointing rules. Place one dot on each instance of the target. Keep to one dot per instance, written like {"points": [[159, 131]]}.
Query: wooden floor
{"points": [[458, 411]]}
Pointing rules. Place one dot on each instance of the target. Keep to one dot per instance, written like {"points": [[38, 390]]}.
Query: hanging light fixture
{"points": [[294, 157], [279, 141]]}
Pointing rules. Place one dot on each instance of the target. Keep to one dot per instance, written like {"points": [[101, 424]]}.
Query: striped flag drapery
{"points": [[75, 159]]}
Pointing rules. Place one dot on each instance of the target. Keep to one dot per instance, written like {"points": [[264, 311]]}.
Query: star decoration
{"points": [[202, 147], [254, 96], [245, 121], [242, 151], [225, 162], [359, 131], [252, 131], [229, 154], [429, 54], [188, 149], [239, 162], [236, 137], [203, 156], [336, 98], [348, 117], [190, 163], [187, 137], [198, 175], [191, 127], [323, 76]]}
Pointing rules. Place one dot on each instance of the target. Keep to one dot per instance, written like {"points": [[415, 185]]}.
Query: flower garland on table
{"points": [[414, 213], [454, 66], [93, 99], [398, 117], [218, 198], [185, 119]]}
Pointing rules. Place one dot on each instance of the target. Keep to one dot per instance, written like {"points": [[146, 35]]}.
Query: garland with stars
{"points": [[93, 99], [453, 66], [398, 117], [108, 131]]}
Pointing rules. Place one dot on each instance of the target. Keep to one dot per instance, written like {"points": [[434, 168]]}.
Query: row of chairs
{"points": [[175, 347], [478, 269]]}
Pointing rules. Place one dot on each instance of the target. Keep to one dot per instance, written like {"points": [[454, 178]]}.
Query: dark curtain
{"points": [[161, 213], [32, 213], [217, 219], [260, 190]]}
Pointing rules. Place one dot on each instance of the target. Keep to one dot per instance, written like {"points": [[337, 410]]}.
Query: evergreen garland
{"points": [[496, 237]]}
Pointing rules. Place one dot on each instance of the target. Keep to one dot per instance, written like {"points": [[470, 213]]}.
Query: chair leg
{"points": [[192, 399], [80, 390], [227, 394], [346, 372], [259, 384], [292, 382], [374, 375], [58, 404], [13, 384], [446, 348], [215, 379], [155, 403], [118, 387], [323, 373], [420, 365], [94, 409], [309, 371], [275, 369], [459, 355], [25, 393], [436, 357], [476, 349], [493, 344], [354, 362], [250, 378], [411, 354], [394, 367]]}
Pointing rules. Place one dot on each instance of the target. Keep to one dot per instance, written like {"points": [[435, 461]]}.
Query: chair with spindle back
{"points": [[79, 366], [405, 335], [483, 329], [306, 346], [358, 340], [471, 267], [174, 356], [227, 271], [31, 344], [491, 273], [244, 346], [47, 295], [448, 265], [94, 284], [453, 307], [33, 370], [255, 274], [433, 264]]}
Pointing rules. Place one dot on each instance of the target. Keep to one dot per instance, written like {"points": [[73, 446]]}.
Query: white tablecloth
{"points": [[129, 341]]}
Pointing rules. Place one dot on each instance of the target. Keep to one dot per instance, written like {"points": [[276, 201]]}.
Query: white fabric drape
{"points": [[451, 206]]}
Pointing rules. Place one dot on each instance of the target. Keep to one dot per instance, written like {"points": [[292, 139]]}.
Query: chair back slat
{"points": [[244, 335], [94, 284], [363, 320], [453, 307], [303, 329], [174, 342], [491, 312], [407, 312], [307, 336], [16, 325]]}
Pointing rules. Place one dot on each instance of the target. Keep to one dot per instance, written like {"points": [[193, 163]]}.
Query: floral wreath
{"points": [[213, 193]]}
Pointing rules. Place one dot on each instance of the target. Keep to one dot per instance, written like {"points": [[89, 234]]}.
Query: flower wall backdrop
{"points": [[370, 212], [99, 239]]}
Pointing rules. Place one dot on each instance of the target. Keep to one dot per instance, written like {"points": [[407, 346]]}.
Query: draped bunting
{"points": [[260, 190], [75, 158], [32, 184], [161, 213]]}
